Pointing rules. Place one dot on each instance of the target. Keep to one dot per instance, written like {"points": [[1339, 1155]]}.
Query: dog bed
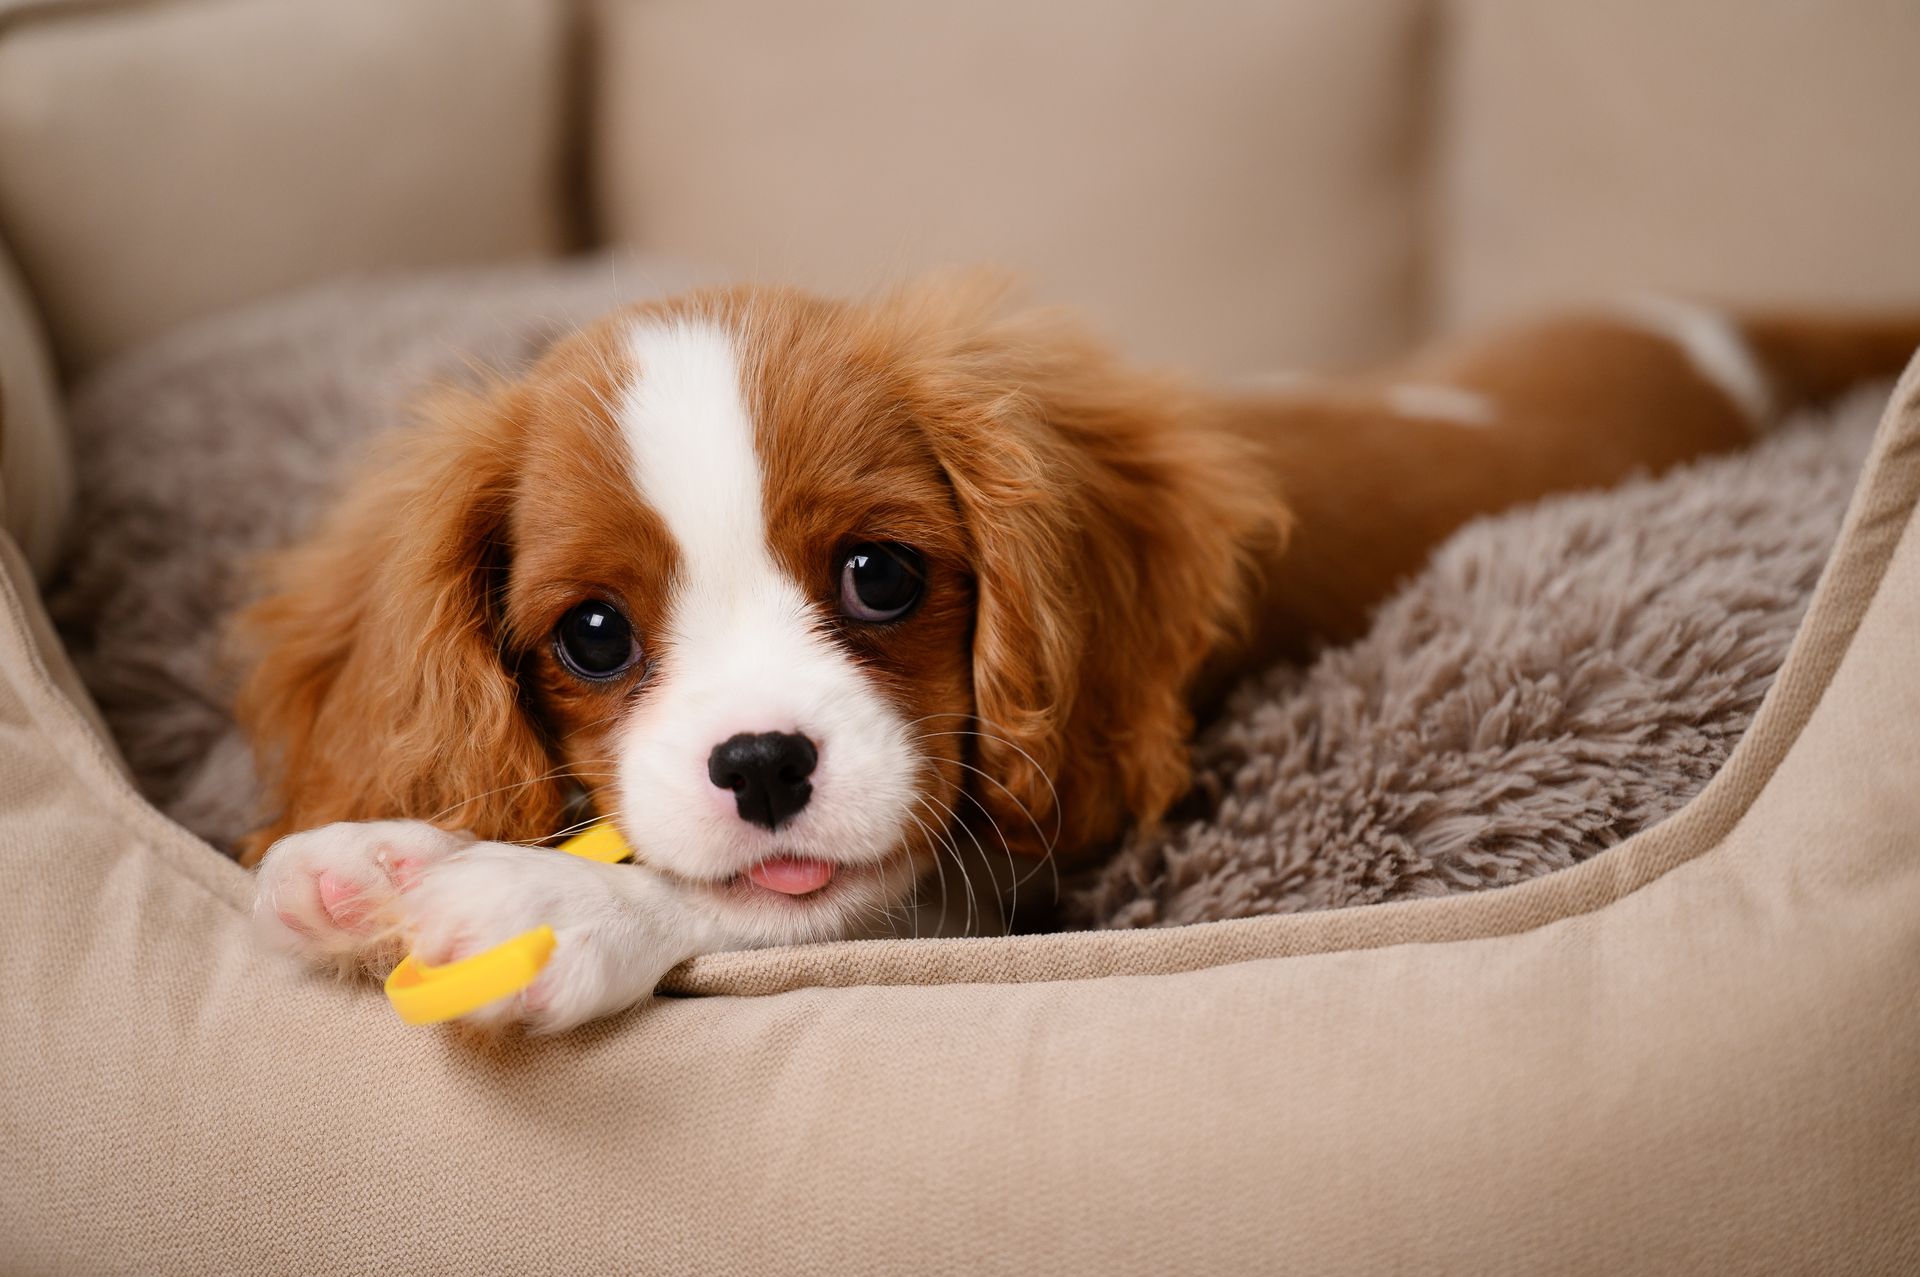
{"points": [[1559, 679], [1692, 1052]]}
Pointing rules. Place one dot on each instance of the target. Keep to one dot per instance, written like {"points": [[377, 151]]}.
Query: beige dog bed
{"points": [[1692, 1052], [1558, 679]]}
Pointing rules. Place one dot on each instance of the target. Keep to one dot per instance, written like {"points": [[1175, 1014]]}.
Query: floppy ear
{"points": [[377, 686], [1111, 523]]}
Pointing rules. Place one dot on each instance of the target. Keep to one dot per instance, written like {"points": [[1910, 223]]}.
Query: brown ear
{"points": [[377, 687], [1111, 522]]}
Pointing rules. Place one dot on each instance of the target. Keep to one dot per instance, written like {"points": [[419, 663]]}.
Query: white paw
{"points": [[609, 949], [330, 894]]}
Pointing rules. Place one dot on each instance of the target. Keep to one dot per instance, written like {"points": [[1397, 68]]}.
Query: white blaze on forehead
{"points": [[743, 649], [1715, 347], [690, 437]]}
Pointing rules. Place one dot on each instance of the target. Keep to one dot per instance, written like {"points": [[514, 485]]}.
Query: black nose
{"points": [[767, 772]]}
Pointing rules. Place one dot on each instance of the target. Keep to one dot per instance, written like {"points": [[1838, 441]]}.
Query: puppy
{"points": [[801, 593]]}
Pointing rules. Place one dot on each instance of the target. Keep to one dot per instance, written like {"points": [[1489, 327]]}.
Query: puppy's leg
{"points": [[1658, 380], [1377, 472], [363, 893], [618, 928]]}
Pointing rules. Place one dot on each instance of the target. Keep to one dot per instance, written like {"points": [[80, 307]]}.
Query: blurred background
{"points": [[1232, 186]]}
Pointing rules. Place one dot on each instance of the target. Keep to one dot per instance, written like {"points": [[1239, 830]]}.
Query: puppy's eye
{"points": [[594, 640], [881, 580]]}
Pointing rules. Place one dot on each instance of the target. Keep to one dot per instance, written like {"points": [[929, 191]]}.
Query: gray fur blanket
{"points": [[1557, 679]]}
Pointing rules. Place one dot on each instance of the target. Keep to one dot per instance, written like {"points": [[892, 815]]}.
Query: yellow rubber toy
{"points": [[601, 842], [433, 995]]}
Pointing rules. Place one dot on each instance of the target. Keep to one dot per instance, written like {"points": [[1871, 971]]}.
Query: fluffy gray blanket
{"points": [[1558, 678]]}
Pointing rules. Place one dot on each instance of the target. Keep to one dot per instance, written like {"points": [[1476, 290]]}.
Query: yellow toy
{"points": [[431, 995]]}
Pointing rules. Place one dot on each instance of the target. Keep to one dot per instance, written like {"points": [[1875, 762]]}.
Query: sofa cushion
{"points": [[1234, 189], [36, 471], [162, 160], [1693, 1052], [1751, 152]]}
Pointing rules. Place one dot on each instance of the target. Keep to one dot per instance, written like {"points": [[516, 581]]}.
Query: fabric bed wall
{"points": [[1695, 1050]]}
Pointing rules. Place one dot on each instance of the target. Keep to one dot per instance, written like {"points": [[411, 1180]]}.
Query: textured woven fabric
{"points": [[1693, 1052], [1230, 188], [1740, 150], [36, 471], [163, 161]]}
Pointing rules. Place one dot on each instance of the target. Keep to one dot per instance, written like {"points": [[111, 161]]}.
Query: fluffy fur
{"points": [[1087, 531], [382, 685], [704, 463], [203, 452]]}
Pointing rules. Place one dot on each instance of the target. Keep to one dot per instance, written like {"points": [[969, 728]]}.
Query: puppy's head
{"points": [[795, 591]]}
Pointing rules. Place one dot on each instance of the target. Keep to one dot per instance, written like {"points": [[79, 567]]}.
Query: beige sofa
{"points": [[1694, 1051]]}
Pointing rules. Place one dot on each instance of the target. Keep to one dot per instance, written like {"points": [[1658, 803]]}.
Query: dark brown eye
{"points": [[595, 641], [881, 581]]}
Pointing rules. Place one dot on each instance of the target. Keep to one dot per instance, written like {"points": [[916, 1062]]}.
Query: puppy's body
{"points": [[897, 579], [1377, 471]]}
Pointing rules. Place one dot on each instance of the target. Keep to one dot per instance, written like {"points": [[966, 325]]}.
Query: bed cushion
{"points": [[161, 160], [1751, 152], [36, 469], [1695, 1051], [1233, 189]]}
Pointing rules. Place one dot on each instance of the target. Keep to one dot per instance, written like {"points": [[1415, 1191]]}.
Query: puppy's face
{"points": [[795, 590], [740, 600]]}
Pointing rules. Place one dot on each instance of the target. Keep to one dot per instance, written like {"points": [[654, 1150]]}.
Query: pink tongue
{"points": [[790, 875]]}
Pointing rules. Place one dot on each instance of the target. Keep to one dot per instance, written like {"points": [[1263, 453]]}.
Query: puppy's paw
{"points": [[605, 956], [330, 895]]}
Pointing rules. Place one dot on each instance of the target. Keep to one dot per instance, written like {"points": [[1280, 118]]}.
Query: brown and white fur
{"points": [[1102, 548]]}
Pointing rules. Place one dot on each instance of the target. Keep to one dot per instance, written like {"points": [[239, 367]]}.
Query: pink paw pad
{"points": [[405, 871], [342, 899]]}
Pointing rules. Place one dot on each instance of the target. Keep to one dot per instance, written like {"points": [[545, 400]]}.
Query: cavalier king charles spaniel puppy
{"points": [[799, 592]]}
